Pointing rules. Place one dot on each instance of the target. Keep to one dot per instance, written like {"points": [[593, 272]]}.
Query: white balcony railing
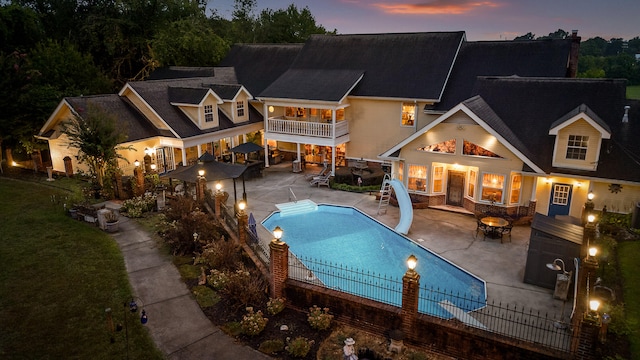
{"points": [[307, 128]]}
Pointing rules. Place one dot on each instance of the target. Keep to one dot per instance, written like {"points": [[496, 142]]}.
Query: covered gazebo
{"points": [[213, 171]]}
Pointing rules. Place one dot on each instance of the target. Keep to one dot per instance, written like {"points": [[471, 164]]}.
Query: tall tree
{"points": [[287, 25], [527, 36], [188, 42], [96, 135]]}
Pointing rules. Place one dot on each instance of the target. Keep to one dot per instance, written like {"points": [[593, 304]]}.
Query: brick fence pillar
{"points": [[139, 181], [243, 219], [409, 311], [279, 267], [201, 186], [218, 202]]}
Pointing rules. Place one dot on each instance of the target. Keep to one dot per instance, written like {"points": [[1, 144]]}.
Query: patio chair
{"points": [[321, 180], [310, 177], [506, 230], [481, 228]]}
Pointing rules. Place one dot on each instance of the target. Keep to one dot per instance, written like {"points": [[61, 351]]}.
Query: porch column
{"points": [[199, 148], [333, 160], [265, 116], [298, 151], [333, 148], [266, 152], [534, 190], [184, 156]]}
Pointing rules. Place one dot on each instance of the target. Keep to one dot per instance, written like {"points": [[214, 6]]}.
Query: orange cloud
{"points": [[436, 7]]}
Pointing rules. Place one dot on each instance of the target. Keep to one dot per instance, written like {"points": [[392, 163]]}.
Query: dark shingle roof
{"points": [[179, 72], [530, 106], [539, 58], [136, 126], [411, 65], [258, 65], [181, 95], [327, 85], [225, 92]]}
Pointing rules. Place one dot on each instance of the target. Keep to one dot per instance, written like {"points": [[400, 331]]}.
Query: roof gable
{"points": [[321, 85], [582, 112]]}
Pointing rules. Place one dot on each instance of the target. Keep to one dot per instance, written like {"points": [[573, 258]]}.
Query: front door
{"points": [[455, 188], [560, 199]]}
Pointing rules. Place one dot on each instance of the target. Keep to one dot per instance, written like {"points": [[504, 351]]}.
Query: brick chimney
{"points": [[572, 70]]}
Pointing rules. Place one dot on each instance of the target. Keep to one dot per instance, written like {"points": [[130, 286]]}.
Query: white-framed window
{"points": [[438, 179], [516, 186], [492, 187], [471, 183], [208, 113], [561, 194], [417, 178], [409, 114], [240, 108], [577, 147]]}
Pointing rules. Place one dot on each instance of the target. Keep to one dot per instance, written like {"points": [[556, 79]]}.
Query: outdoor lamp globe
{"points": [[594, 305], [412, 261], [136, 163], [277, 232], [242, 205], [593, 251], [201, 172], [591, 218], [218, 186], [590, 195]]}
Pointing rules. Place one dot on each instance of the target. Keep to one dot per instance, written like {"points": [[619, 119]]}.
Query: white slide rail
{"points": [[404, 203]]}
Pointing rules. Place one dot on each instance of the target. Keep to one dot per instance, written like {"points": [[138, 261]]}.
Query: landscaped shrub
{"points": [[299, 347], [186, 229], [271, 347], [275, 306], [319, 318], [220, 254], [246, 288], [138, 205], [218, 279], [253, 323]]}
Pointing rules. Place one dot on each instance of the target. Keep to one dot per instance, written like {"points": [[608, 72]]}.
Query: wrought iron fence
{"points": [[507, 320]]}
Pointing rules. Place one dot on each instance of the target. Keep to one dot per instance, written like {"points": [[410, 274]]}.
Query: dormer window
{"points": [[577, 147], [208, 113], [240, 108]]}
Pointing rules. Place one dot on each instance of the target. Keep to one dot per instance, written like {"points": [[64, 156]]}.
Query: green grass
{"points": [[633, 92], [57, 277], [628, 255]]}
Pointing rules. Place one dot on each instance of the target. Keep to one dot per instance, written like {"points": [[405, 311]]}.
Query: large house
{"points": [[434, 108]]}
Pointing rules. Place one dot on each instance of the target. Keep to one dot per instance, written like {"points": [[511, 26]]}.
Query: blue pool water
{"points": [[346, 236]]}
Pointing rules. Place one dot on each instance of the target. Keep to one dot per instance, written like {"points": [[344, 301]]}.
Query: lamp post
{"points": [[201, 183], [279, 264], [242, 222], [139, 178], [219, 196], [410, 292]]}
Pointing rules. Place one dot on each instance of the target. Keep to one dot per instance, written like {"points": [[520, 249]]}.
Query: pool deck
{"points": [[449, 234]]}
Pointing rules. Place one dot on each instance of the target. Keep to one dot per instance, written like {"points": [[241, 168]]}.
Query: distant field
{"points": [[633, 92]]}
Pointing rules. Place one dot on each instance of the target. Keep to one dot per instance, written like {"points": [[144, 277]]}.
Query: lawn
{"points": [[628, 255], [633, 92], [57, 278]]}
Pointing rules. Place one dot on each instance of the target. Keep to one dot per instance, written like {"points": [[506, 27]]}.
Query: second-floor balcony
{"points": [[307, 128]]}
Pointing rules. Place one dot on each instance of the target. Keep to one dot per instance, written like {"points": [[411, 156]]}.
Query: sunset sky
{"points": [[480, 19]]}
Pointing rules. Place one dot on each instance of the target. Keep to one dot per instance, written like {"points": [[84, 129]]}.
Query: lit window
{"points": [[492, 187], [339, 114], [417, 178], [448, 147], [577, 147], [408, 114], [472, 183], [516, 185], [240, 108], [208, 113], [438, 172], [469, 148], [400, 170]]}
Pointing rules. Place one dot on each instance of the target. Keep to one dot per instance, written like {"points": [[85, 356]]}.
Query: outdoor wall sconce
{"points": [[271, 109], [136, 163]]}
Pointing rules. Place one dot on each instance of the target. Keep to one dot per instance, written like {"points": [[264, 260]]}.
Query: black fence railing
{"points": [[510, 321]]}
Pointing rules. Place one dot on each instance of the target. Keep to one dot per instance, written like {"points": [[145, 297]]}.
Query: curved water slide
{"points": [[404, 203]]}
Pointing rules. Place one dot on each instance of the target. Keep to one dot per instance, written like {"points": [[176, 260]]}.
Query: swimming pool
{"points": [[344, 235]]}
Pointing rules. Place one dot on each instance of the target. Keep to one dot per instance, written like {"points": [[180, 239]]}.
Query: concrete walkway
{"points": [[176, 323]]}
